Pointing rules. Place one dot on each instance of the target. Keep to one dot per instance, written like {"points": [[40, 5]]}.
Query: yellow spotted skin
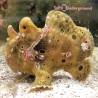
{"points": [[65, 46]]}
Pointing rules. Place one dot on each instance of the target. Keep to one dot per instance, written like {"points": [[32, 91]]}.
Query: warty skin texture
{"points": [[42, 51]]}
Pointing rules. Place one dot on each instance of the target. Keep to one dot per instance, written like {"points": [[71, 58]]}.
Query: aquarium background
{"points": [[11, 12]]}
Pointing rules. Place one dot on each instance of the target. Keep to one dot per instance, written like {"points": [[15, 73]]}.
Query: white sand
{"points": [[64, 86]]}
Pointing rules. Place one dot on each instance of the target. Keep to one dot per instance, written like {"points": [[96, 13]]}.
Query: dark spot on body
{"points": [[74, 37], [76, 65], [71, 64], [15, 49], [80, 68], [82, 32], [52, 59], [85, 41], [58, 16], [24, 27], [42, 45], [80, 58], [78, 78], [53, 37], [22, 47], [84, 74], [62, 29], [42, 51], [65, 47], [67, 30], [30, 40], [56, 62], [68, 67], [58, 40], [63, 61], [66, 20], [52, 46]]}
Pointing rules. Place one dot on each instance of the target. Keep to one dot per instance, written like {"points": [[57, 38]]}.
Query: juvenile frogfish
{"points": [[60, 44]]}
